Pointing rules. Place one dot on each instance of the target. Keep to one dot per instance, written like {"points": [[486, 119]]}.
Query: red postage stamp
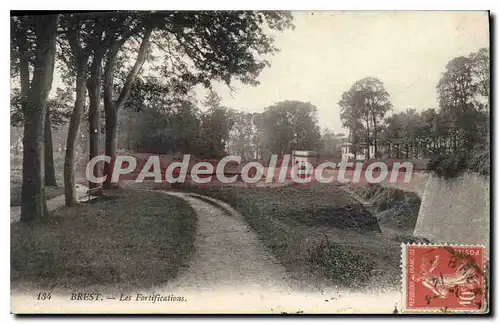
{"points": [[443, 278]]}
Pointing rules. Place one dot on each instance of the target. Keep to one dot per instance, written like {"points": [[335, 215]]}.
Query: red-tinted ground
{"points": [[364, 173]]}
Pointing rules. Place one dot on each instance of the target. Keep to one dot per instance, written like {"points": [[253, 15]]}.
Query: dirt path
{"points": [[228, 253], [230, 272]]}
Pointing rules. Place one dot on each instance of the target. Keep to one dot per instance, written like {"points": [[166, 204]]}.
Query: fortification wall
{"points": [[455, 210]]}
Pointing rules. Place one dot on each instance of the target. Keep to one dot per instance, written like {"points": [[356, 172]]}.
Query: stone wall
{"points": [[455, 210]]}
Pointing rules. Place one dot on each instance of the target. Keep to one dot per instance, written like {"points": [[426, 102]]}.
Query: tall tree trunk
{"points": [[111, 106], [367, 139], [111, 126], [74, 123], [33, 203], [375, 148], [50, 172], [94, 89], [81, 77]]}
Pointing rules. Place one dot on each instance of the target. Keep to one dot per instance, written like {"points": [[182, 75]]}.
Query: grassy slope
{"points": [[394, 208], [131, 240], [293, 223]]}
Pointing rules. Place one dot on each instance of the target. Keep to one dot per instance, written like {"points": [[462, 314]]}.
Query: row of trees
{"points": [[100, 56], [290, 125], [458, 126], [184, 127], [218, 130]]}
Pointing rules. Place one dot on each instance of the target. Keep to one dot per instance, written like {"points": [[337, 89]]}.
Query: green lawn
{"points": [[130, 239], [317, 232]]}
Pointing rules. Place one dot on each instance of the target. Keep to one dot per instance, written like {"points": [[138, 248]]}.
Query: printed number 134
{"points": [[43, 296]]}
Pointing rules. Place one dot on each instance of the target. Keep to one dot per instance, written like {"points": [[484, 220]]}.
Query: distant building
{"points": [[298, 157], [361, 154]]}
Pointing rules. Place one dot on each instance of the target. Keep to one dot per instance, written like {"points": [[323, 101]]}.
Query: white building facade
{"points": [[362, 154]]}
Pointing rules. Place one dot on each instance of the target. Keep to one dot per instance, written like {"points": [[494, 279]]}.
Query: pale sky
{"points": [[329, 50]]}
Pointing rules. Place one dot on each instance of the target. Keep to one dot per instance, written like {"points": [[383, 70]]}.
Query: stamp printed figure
{"points": [[443, 278]]}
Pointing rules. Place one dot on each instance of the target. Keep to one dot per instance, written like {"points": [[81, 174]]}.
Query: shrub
{"points": [[346, 217], [447, 166], [401, 216], [339, 263], [435, 162], [402, 209], [480, 162]]}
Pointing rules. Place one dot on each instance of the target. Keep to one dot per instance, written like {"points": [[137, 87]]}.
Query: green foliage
{"points": [[216, 124], [452, 165], [481, 70], [151, 91], [176, 132], [22, 43], [199, 47], [171, 125], [448, 166], [290, 125], [58, 108], [461, 122], [242, 137], [218, 130], [362, 109], [195, 47], [342, 264], [331, 144], [481, 161]]}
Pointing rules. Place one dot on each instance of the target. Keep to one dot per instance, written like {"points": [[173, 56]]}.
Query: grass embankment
{"points": [[396, 210], [393, 208], [318, 232], [132, 239]]}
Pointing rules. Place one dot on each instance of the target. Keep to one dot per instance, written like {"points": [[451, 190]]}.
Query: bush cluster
{"points": [[451, 165], [480, 162], [341, 264], [447, 166]]}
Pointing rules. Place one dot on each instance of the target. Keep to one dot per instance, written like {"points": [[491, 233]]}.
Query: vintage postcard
{"points": [[250, 162]]}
